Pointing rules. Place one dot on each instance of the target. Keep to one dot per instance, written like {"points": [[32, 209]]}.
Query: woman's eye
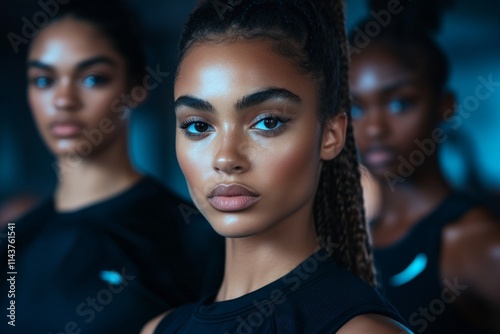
{"points": [[199, 127], [94, 80], [356, 112], [268, 123], [398, 106], [42, 82], [196, 128]]}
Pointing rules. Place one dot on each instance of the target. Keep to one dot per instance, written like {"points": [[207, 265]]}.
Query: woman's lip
{"points": [[232, 190], [233, 197], [379, 157], [65, 129], [232, 203]]}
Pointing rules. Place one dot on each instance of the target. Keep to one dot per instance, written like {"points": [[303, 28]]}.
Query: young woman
{"points": [[112, 248], [265, 143], [436, 250]]}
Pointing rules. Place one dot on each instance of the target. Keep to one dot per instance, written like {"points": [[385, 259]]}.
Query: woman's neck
{"points": [[415, 197], [256, 261], [83, 181]]}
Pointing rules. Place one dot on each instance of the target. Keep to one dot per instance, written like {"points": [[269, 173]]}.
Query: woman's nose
{"points": [[376, 124], [66, 96], [233, 155]]}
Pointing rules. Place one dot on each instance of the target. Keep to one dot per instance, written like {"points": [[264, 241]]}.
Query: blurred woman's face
{"points": [[75, 78], [392, 107], [248, 138]]}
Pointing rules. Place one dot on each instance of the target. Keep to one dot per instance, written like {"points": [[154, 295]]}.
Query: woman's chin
{"points": [[72, 148], [234, 227]]}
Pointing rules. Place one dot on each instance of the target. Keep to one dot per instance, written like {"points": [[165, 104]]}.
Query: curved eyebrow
{"points": [[390, 87], [266, 95], [192, 102], [245, 102], [80, 66]]}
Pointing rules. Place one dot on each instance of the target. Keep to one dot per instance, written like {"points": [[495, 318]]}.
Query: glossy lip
{"points": [[65, 128], [379, 156], [233, 197]]}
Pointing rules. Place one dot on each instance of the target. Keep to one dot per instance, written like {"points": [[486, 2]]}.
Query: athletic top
{"points": [[109, 267], [316, 297], [409, 272]]}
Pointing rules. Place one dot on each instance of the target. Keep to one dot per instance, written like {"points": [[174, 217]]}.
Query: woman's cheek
{"points": [[195, 162]]}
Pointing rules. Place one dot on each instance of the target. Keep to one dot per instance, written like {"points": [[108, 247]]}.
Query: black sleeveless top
{"points": [[409, 275], [111, 266], [316, 297]]}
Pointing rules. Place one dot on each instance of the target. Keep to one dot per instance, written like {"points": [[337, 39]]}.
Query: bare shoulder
{"points": [[373, 324], [150, 327], [479, 215], [474, 236], [472, 253]]}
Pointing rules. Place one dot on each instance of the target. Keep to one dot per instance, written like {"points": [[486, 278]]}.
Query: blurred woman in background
{"points": [[436, 250], [112, 247]]}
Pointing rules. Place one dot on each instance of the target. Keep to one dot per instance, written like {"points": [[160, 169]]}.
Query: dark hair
{"points": [[312, 35], [408, 36], [115, 21]]}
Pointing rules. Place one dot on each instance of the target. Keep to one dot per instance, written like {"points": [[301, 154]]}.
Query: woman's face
{"points": [[75, 79], [248, 137], [392, 107]]}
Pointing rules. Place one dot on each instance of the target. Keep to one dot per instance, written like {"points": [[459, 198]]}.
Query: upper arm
{"points": [[475, 255], [373, 324], [483, 272], [151, 325]]}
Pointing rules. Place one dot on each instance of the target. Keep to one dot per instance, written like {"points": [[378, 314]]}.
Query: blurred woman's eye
{"points": [[94, 80], [42, 81], [398, 105], [356, 112]]}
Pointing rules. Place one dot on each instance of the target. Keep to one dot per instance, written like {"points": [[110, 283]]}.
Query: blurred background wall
{"points": [[469, 35]]}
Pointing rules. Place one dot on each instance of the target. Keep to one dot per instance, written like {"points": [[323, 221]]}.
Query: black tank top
{"points": [[108, 267], [316, 297], [408, 272]]}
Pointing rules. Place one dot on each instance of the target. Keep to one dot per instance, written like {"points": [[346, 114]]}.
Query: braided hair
{"points": [[312, 35]]}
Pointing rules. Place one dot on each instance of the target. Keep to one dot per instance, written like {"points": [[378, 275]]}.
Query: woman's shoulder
{"points": [[331, 300], [471, 250], [152, 325], [169, 321], [374, 324], [473, 236]]}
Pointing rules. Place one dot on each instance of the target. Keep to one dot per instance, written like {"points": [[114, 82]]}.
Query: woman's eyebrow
{"points": [[80, 66], [193, 103], [96, 60], [245, 102], [385, 89], [393, 86], [266, 95], [39, 64]]}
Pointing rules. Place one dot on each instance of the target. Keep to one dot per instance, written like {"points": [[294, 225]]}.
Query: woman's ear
{"points": [[334, 132]]}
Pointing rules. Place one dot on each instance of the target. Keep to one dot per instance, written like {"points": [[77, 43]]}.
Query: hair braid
{"points": [[341, 223]]}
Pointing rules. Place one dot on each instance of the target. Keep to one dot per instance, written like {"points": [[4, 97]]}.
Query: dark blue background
{"points": [[470, 36]]}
